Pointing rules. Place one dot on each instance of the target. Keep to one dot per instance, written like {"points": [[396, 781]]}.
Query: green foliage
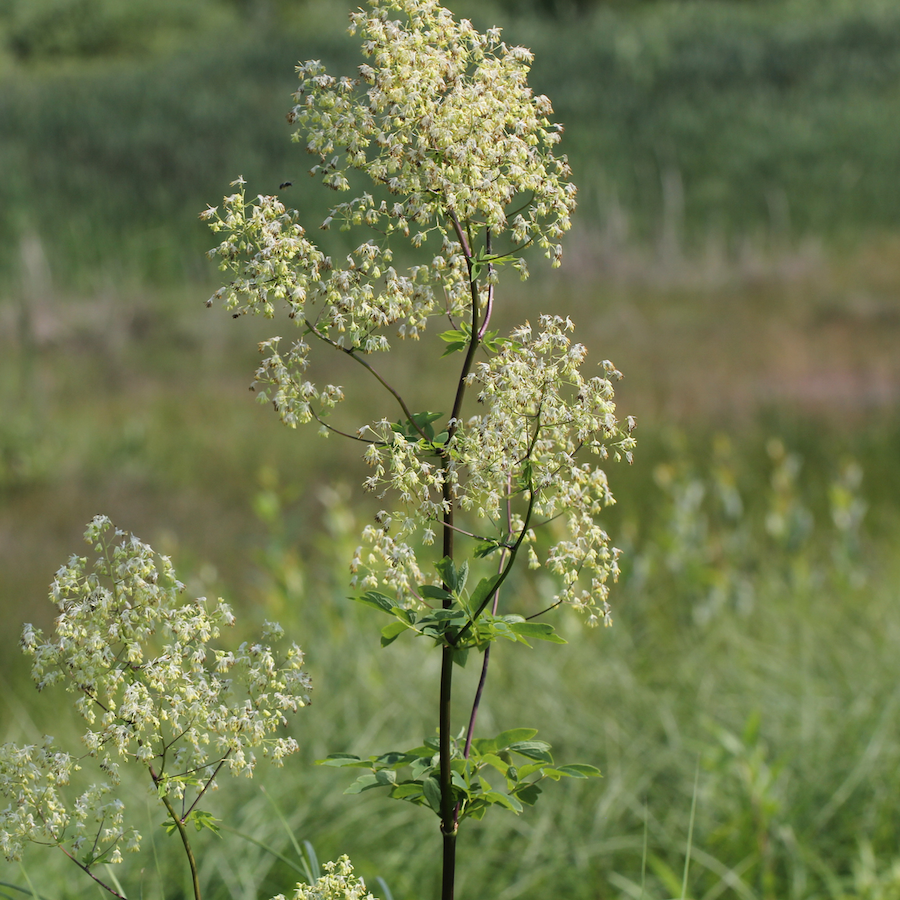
{"points": [[683, 120], [54, 29], [147, 142], [40, 32], [199, 819], [472, 791], [728, 119], [787, 694]]}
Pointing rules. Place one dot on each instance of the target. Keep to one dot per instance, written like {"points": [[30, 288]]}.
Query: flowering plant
{"points": [[338, 883], [455, 155], [154, 691], [459, 160]]}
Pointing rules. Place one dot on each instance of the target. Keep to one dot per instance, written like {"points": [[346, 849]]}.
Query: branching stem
{"points": [[87, 871], [182, 831], [207, 785], [353, 353], [449, 823]]}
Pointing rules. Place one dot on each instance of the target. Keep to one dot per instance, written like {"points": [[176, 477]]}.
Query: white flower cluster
{"points": [[522, 453], [541, 413], [34, 778], [447, 122], [151, 688], [338, 883], [460, 154], [447, 129]]}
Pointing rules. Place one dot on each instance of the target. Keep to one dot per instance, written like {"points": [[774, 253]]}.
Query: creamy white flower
{"points": [[460, 157], [152, 690], [338, 883]]}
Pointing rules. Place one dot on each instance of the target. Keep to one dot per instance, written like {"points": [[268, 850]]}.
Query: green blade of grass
{"points": [[690, 840]]}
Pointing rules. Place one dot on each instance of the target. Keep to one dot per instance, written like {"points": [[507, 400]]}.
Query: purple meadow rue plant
{"points": [[459, 161], [450, 153]]}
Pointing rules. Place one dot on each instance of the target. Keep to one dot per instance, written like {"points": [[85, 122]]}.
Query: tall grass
{"points": [[755, 632], [684, 121]]}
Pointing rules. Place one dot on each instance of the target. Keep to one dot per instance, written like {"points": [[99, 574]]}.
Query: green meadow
{"points": [[736, 253]]}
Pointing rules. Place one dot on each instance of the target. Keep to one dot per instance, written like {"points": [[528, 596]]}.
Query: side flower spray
{"points": [[156, 692]]}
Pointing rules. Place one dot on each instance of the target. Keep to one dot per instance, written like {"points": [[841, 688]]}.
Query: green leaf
{"points": [[494, 344], [432, 791], [206, 820], [393, 758], [449, 337], [391, 632], [533, 750], [446, 568], [422, 421], [455, 347], [441, 623], [444, 615], [528, 794], [483, 591], [491, 628], [422, 766], [408, 790], [491, 759], [361, 784], [376, 601], [460, 656], [383, 778], [460, 783], [513, 736], [579, 770], [507, 800], [486, 548], [538, 630], [462, 575], [417, 424], [483, 746], [432, 592], [340, 760]]}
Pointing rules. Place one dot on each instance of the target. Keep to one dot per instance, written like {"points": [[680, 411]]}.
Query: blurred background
{"points": [[736, 253]]}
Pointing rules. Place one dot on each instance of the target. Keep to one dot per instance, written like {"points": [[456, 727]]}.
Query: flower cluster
{"points": [[541, 413], [34, 778], [446, 128], [518, 465], [338, 883], [447, 123], [458, 153], [150, 686]]}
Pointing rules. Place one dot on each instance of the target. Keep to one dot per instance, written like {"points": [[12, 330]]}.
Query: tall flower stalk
{"points": [[458, 158]]}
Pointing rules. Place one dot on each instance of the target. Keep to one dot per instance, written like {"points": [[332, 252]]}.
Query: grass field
{"points": [[737, 256], [755, 623]]}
